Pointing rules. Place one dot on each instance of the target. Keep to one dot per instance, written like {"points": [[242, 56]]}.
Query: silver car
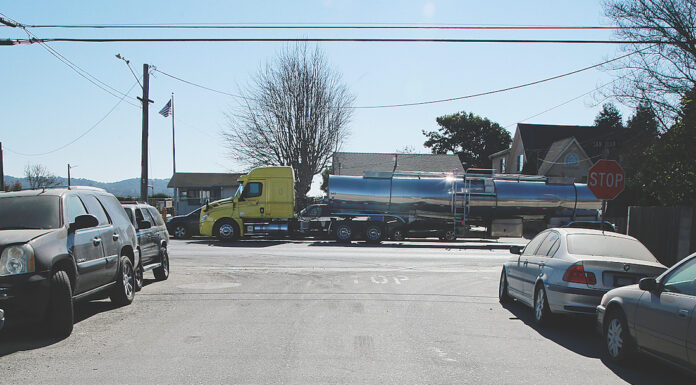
{"points": [[567, 271], [656, 317]]}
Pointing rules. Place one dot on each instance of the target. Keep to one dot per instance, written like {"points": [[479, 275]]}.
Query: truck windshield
{"points": [[30, 212], [238, 192]]}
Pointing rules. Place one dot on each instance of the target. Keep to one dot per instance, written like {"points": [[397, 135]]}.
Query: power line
{"points": [[77, 69], [319, 26], [431, 101], [81, 135], [324, 40], [201, 86]]}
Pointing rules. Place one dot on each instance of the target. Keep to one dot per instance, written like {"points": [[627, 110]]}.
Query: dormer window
{"points": [[572, 160]]}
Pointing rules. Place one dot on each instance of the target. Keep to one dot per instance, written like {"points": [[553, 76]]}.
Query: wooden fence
{"points": [[668, 232]]}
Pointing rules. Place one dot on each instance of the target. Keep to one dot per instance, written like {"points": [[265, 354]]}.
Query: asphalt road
{"points": [[304, 312]]}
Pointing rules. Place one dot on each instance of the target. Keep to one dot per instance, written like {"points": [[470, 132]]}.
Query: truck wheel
{"points": [[60, 307], [162, 272], [398, 235], [226, 230], [344, 232], [124, 292], [139, 280], [373, 233]]}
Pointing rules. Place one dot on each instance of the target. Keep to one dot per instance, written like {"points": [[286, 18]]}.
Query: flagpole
{"points": [[176, 200]]}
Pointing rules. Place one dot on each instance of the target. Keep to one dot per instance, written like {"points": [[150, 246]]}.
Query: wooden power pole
{"points": [[144, 158]]}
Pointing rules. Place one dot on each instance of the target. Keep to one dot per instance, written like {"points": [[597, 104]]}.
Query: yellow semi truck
{"points": [[263, 204]]}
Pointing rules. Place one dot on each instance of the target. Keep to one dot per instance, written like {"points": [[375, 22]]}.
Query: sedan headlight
{"points": [[203, 218], [17, 259]]}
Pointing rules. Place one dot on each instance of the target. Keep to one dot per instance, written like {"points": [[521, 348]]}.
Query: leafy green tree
{"points": [[470, 136], [609, 118], [668, 174]]}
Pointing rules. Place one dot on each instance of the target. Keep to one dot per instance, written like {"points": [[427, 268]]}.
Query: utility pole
{"points": [[176, 202], [146, 103], [69, 168], [2, 171]]}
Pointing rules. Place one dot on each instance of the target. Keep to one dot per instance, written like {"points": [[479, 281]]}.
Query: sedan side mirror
{"points": [[84, 221], [648, 284], [516, 250], [142, 225]]}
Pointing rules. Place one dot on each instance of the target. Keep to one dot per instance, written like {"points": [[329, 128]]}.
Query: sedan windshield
{"points": [[608, 246], [30, 212]]}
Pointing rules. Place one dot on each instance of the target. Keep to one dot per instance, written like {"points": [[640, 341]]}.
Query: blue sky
{"points": [[46, 105]]}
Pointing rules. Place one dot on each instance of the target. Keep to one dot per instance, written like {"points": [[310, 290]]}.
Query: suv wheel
{"points": [[60, 308], [162, 272], [139, 280], [124, 292]]}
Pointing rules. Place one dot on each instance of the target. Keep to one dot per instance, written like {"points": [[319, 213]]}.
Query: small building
{"points": [[555, 150], [356, 163], [192, 189]]}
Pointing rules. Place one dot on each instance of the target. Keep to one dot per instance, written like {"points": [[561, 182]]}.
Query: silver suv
{"points": [[58, 246]]}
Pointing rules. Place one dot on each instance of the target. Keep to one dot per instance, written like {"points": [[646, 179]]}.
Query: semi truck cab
{"points": [[263, 204]]}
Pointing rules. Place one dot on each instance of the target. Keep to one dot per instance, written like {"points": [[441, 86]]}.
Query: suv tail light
{"points": [[576, 273]]}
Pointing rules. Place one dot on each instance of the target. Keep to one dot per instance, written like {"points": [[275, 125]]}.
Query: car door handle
{"points": [[683, 313], [96, 241], [116, 236]]}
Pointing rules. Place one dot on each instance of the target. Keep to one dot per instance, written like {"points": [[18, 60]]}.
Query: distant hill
{"points": [[124, 188]]}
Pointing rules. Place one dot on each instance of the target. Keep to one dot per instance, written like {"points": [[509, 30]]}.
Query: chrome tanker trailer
{"points": [[380, 205]]}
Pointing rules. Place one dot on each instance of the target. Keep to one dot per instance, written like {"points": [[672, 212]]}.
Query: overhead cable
{"points": [[81, 135], [327, 40]]}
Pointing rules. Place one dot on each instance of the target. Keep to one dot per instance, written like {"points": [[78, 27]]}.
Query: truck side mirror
{"points": [[142, 225], [516, 250]]}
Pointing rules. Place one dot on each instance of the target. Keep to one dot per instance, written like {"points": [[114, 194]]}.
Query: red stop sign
{"points": [[606, 179]]}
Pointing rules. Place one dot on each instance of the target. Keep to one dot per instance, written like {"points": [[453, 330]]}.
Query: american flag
{"points": [[167, 109]]}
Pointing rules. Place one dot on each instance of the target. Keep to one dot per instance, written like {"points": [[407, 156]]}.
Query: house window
{"points": [[571, 160], [502, 165], [520, 162]]}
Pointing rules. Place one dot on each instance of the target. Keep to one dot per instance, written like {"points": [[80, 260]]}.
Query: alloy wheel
{"points": [[614, 340], [128, 279]]}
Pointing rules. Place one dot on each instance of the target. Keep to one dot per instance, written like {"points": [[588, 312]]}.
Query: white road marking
{"points": [[209, 285]]}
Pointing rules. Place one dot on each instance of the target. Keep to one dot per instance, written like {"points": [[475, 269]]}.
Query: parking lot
{"points": [[319, 312]]}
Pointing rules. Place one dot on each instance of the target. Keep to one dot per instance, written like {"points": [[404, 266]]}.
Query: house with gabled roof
{"points": [[555, 150], [357, 163]]}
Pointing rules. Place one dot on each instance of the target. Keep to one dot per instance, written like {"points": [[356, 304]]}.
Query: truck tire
{"points": [[162, 273], [226, 230], [124, 292], [373, 233], [60, 308], [344, 232]]}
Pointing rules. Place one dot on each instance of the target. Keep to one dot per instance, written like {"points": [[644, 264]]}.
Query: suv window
{"points": [[30, 212], [156, 216], [252, 190], [95, 208], [75, 208], [533, 245]]}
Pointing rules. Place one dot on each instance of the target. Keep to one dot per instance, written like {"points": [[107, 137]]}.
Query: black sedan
{"points": [[184, 226]]}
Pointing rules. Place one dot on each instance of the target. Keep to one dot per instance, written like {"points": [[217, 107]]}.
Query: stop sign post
{"points": [[606, 180]]}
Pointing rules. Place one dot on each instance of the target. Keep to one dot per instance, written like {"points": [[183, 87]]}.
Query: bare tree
{"points": [[663, 69], [295, 114], [38, 176]]}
